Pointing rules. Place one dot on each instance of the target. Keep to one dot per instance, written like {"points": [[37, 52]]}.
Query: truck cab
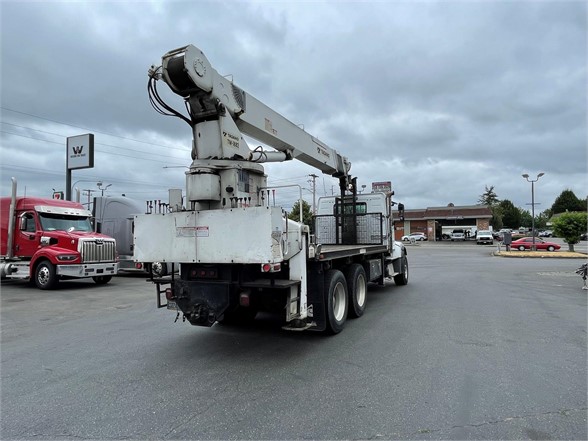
{"points": [[47, 240]]}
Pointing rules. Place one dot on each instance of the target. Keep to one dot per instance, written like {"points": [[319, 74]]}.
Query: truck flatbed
{"points": [[328, 252]]}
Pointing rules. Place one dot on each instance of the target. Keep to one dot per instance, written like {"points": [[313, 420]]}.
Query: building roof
{"points": [[455, 212]]}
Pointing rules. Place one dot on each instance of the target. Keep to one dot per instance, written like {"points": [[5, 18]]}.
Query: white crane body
{"points": [[238, 254]]}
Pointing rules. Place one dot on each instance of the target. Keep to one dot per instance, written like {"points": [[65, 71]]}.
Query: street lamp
{"points": [[532, 181], [99, 184], [77, 182]]}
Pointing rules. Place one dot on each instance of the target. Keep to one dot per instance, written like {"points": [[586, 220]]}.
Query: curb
{"points": [[540, 255]]}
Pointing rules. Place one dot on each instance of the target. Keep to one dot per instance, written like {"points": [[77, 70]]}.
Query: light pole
{"points": [[532, 181], [99, 184], [78, 181]]}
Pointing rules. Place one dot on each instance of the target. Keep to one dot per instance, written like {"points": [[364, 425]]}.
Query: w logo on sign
{"points": [[78, 149]]}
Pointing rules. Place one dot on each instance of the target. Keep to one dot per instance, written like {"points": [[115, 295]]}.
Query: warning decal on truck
{"points": [[192, 232], [186, 231]]}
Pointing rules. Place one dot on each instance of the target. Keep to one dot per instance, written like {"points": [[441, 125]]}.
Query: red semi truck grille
{"points": [[93, 250]]}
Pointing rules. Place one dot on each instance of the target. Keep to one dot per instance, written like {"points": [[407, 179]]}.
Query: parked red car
{"points": [[526, 242]]}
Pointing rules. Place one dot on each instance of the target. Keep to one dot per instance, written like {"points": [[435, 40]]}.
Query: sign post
{"points": [[79, 153]]}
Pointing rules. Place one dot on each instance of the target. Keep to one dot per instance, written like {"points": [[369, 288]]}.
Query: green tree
{"points": [[489, 197], [496, 220], [526, 218], [567, 201], [570, 226], [542, 218], [511, 215], [306, 213]]}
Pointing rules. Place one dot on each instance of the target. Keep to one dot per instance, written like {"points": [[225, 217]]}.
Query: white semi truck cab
{"points": [[237, 253]]}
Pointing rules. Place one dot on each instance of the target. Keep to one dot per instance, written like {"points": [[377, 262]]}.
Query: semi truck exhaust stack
{"points": [[9, 252]]}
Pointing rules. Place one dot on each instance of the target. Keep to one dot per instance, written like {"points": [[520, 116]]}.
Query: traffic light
{"points": [[58, 195]]}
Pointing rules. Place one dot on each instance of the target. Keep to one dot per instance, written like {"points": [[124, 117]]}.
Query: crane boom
{"points": [[188, 73]]}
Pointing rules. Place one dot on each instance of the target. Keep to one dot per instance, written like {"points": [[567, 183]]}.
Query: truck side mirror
{"points": [[27, 223], [22, 226]]}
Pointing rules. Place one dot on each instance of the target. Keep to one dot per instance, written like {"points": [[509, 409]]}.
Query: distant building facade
{"points": [[438, 221]]}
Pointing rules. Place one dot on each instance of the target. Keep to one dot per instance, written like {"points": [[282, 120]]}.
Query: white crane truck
{"points": [[238, 253]]}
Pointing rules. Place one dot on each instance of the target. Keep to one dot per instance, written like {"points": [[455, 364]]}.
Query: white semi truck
{"points": [[114, 216], [238, 253]]}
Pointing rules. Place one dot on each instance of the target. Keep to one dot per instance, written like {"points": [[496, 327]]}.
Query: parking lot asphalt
{"points": [[474, 347]]}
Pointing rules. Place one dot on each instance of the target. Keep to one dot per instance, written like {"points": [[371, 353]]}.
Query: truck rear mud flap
{"points": [[316, 298], [201, 302]]}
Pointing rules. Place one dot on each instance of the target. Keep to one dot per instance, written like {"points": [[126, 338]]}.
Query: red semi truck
{"points": [[46, 240]]}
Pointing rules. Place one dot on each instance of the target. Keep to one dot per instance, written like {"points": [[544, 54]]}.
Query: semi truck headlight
{"points": [[67, 257]]}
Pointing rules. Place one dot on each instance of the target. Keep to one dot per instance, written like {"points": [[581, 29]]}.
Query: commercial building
{"points": [[436, 222]]}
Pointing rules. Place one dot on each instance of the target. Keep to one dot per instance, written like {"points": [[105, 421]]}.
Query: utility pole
{"points": [[89, 191], [313, 176]]}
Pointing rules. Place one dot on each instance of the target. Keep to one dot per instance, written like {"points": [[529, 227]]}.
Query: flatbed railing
{"points": [[349, 229]]}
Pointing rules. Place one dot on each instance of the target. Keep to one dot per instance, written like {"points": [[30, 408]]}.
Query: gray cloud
{"points": [[442, 98]]}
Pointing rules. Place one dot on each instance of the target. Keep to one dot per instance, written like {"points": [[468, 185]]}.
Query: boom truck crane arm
{"points": [[219, 112], [237, 253]]}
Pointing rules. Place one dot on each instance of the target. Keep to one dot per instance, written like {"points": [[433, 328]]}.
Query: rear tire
{"points": [[45, 276], [336, 301], [102, 280], [357, 289], [402, 278]]}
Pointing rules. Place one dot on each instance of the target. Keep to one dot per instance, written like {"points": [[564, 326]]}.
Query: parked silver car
{"points": [[414, 236]]}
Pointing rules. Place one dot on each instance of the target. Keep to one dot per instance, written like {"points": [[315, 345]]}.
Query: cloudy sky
{"points": [[440, 98]]}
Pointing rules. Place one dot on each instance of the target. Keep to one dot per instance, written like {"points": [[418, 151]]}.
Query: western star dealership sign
{"points": [[80, 151]]}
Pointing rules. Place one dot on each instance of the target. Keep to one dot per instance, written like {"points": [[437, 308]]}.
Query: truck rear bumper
{"points": [[88, 270], [203, 302]]}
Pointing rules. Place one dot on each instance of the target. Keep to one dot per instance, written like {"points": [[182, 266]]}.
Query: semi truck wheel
{"points": [[402, 278], [102, 280], [335, 301], [357, 289], [158, 269], [45, 276]]}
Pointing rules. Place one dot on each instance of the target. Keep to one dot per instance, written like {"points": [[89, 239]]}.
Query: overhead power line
{"points": [[86, 128], [97, 143], [60, 173], [98, 150]]}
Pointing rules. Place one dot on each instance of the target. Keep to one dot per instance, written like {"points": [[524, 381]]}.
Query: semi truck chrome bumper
{"points": [[88, 270]]}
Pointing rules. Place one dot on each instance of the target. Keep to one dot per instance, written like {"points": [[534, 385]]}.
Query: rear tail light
{"points": [[138, 265], [244, 299], [204, 273], [169, 294], [271, 267]]}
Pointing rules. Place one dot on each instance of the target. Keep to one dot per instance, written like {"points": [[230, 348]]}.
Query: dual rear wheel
{"points": [[345, 295]]}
